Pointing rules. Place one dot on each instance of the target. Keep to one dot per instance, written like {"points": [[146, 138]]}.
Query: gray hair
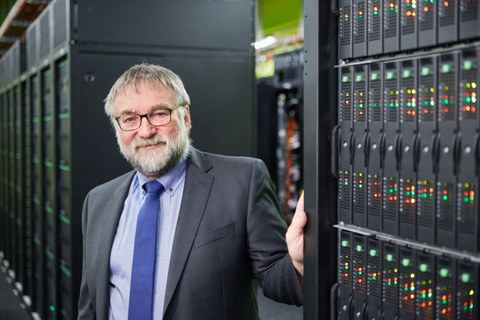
{"points": [[152, 74]]}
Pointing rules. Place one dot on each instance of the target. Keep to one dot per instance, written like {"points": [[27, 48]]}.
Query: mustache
{"points": [[139, 142]]}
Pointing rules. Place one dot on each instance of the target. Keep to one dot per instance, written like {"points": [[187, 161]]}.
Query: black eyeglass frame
{"points": [[145, 115]]}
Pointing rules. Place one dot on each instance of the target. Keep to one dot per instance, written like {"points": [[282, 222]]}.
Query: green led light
{"points": [[389, 257], [425, 71], [446, 68], [465, 277], [52, 308], [406, 73], [359, 248], [358, 78], [467, 65], [405, 262], [374, 76], [373, 252], [390, 75], [344, 243], [345, 79], [444, 272], [423, 267]]}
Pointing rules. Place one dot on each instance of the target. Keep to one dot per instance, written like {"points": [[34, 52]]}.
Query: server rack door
{"points": [[49, 192], [359, 170], [64, 188], [425, 287], [406, 303], [426, 128], [373, 146], [12, 208], [390, 148], [390, 281], [345, 153], [360, 23], [375, 27], [374, 279], [37, 196], [467, 185], [468, 19], [391, 25], [427, 23], [359, 280], [445, 294], [345, 276], [447, 130], [467, 290], [345, 47], [447, 26], [408, 138], [408, 25]]}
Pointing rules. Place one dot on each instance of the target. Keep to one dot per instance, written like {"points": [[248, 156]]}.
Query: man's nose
{"points": [[146, 130]]}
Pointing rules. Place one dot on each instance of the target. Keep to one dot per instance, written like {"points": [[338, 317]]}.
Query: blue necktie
{"points": [[144, 254]]}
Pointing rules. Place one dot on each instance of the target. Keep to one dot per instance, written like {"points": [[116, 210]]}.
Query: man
{"points": [[219, 224]]}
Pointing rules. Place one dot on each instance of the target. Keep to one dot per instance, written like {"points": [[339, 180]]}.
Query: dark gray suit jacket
{"points": [[230, 232]]}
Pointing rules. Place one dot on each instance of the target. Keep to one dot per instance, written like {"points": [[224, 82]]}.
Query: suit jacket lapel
{"points": [[195, 196], [110, 225]]}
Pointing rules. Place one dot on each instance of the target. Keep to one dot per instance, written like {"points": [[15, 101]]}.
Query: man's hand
{"points": [[294, 236]]}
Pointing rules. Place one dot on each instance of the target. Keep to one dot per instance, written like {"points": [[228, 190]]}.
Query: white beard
{"points": [[155, 162]]}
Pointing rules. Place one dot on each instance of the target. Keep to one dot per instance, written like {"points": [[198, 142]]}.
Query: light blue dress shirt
{"points": [[121, 256]]}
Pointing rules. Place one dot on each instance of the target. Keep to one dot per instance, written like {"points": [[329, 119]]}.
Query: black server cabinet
{"points": [[360, 28], [374, 279], [373, 147], [12, 204], [345, 11], [391, 25], [447, 21], [359, 171], [407, 143], [408, 24], [427, 107], [407, 294], [447, 130], [375, 27], [467, 164], [389, 147], [345, 146], [445, 293]]}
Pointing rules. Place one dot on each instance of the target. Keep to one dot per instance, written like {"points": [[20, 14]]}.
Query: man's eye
{"points": [[129, 119], [159, 114]]}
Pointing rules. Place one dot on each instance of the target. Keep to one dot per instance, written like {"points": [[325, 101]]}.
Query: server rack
{"points": [[51, 111], [420, 157]]}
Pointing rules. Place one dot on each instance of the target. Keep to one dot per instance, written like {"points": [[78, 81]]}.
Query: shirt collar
{"points": [[170, 180]]}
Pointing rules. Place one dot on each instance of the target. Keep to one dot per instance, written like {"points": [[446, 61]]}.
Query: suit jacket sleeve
{"points": [[266, 227]]}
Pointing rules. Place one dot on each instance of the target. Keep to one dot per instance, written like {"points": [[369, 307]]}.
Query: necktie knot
{"points": [[153, 186]]}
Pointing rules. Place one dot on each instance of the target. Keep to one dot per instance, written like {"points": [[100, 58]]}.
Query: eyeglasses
{"points": [[158, 117]]}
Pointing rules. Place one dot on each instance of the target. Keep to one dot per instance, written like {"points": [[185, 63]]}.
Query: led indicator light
{"points": [[423, 267], [345, 79], [359, 248], [425, 71], [444, 272], [465, 277], [405, 262], [373, 252], [344, 243], [358, 78], [389, 257], [407, 73], [52, 308], [446, 68], [390, 75], [467, 65]]}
